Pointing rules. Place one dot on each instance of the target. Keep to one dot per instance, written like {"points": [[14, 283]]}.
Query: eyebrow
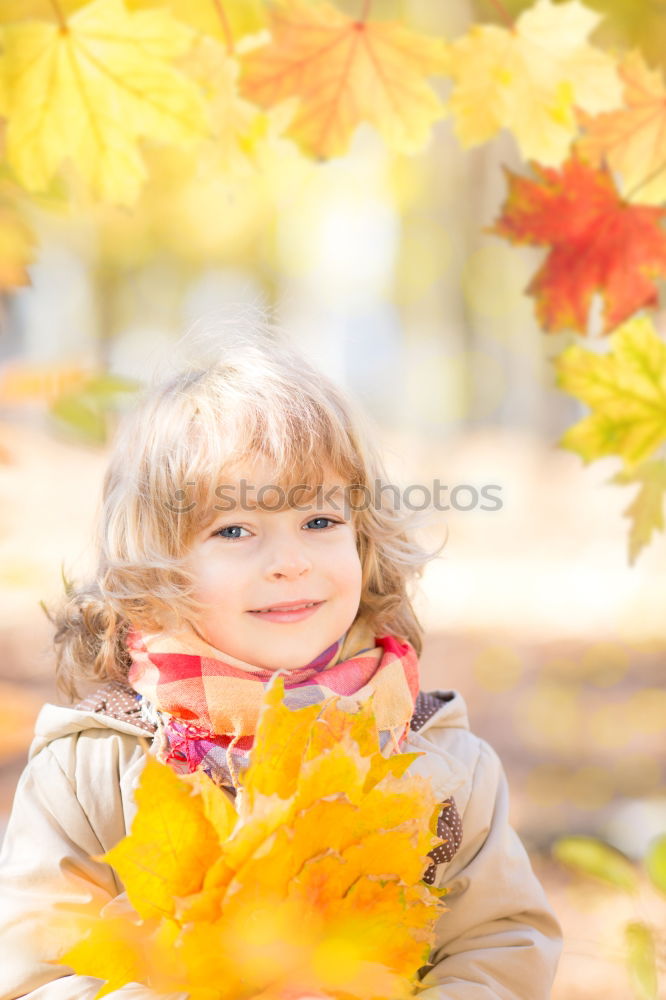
{"points": [[268, 506]]}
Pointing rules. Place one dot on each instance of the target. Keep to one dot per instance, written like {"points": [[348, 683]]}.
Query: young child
{"points": [[240, 536]]}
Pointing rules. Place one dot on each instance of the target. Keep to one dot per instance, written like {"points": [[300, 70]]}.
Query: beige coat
{"points": [[499, 939]]}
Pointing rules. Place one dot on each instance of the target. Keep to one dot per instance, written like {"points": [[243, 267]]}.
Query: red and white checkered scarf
{"points": [[207, 708]]}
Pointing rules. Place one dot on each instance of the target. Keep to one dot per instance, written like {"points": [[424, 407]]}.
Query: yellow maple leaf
{"points": [[530, 79], [116, 962], [332, 726], [218, 809], [312, 885], [87, 90], [275, 769], [646, 511], [226, 20], [632, 140], [43, 10], [626, 390], [345, 71], [171, 847], [232, 118]]}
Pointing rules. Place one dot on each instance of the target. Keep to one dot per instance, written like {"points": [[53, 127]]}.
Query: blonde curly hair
{"points": [[159, 492]]}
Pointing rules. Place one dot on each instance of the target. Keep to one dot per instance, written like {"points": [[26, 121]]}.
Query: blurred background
{"points": [[377, 267]]}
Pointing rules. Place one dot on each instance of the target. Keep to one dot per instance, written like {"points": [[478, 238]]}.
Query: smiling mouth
{"points": [[286, 607]]}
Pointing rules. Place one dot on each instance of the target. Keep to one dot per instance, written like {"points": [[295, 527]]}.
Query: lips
{"points": [[293, 606]]}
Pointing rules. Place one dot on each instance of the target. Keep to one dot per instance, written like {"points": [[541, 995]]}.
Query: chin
{"points": [[293, 663]]}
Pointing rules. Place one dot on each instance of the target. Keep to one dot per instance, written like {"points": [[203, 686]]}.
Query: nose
{"points": [[287, 562]]}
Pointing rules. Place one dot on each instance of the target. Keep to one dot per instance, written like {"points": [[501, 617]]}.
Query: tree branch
{"points": [[503, 12]]}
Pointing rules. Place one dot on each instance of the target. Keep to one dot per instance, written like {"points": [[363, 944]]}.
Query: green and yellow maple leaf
{"points": [[531, 79], [626, 390], [87, 90], [343, 72], [313, 882], [646, 511]]}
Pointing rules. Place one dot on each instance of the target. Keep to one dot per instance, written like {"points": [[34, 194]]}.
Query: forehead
{"points": [[264, 471], [261, 483]]}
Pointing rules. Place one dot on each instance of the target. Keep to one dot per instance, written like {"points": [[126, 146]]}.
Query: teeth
{"points": [[295, 607]]}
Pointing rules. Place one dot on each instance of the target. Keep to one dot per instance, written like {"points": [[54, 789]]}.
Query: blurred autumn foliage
{"points": [[137, 116], [643, 940]]}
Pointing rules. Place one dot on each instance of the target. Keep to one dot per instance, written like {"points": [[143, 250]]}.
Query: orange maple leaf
{"points": [[345, 71], [632, 140], [599, 243]]}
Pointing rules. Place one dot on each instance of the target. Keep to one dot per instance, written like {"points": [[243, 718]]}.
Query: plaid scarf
{"points": [[206, 709]]}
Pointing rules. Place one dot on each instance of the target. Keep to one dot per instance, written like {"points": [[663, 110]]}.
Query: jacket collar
{"points": [[114, 706]]}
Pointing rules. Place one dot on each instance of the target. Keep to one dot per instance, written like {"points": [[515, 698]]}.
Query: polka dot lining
{"points": [[119, 702], [449, 824], [427, 703], [449, 828]]}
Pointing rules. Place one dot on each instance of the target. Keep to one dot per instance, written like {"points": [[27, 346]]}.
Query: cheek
{"points": [[349, 570], [213, 582]]}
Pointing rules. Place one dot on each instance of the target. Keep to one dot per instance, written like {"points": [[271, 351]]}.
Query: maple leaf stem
{"points": [[60, 17], [365, 12], [503, 12], [226, 26], [646, 180]]}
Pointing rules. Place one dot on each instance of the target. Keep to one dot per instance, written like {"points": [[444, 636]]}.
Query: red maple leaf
{"points": [[599, 243]]}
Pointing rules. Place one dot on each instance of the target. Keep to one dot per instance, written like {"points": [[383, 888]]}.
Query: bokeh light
{"points": [[497, 668]]}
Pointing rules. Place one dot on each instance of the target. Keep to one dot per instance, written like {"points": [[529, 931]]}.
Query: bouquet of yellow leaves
{"points": [[312, 884]]}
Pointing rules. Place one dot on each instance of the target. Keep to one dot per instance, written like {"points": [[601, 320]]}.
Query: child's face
{"points": [[253, 559]]}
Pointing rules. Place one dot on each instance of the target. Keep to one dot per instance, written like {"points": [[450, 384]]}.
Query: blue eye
{"points": [[231, 528], [233, 531], [329, 520]]}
